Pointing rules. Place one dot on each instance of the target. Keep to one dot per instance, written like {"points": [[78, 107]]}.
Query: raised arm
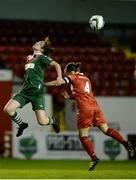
{"points": [[58, 70]]}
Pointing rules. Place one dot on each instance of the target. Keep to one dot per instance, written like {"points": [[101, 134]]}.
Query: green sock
{"points": [[16, 118], [50, 120]]}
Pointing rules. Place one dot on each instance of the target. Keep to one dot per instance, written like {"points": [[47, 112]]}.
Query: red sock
{"points": [[115, 135], [88, 147]]}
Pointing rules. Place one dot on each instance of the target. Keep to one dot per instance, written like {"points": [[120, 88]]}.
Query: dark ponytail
{"points": [[47, 50], [72, 66], [78, 66], [47, 46]]}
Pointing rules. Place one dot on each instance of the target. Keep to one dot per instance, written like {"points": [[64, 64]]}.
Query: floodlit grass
{"points": [[65, 169]]}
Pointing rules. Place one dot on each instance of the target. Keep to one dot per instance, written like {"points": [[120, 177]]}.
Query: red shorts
{"points": [[88, 118]]}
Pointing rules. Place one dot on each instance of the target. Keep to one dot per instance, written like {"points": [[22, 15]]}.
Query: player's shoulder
{"points": [[76, 76], [81, 75], [72, 76], [84, 76], [43, 56]]}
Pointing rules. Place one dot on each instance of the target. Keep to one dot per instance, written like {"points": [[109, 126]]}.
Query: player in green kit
{"points": [[33, 87]]}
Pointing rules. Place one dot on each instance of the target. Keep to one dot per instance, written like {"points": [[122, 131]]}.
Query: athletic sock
{"points": [[115, 135], [50, 120], [17, 119], [88, 146]]}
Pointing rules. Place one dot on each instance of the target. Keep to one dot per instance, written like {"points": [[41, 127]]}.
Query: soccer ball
{"points": [[96, 22]]}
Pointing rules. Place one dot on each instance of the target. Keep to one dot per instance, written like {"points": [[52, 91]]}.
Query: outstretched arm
{"points": [[54, 83], [58, 70], [51, 83]]}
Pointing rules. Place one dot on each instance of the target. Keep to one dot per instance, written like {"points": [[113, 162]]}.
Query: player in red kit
{"points": [[89, 113]]}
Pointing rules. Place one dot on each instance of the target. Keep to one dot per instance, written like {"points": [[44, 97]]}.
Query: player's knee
{"points": [[104, 128], [7, 110], [41, 122], [104, 132], [82, 134]]}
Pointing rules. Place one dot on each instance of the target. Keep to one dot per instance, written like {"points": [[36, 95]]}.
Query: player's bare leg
{"points": [[10, 109], [43, 120], [88, 146], [115, 135]]}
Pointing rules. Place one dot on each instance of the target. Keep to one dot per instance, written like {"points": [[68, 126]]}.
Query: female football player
{"points": [[33, 87], [89, 113]]}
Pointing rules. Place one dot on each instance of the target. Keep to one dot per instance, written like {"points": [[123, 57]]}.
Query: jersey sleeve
{"points": [[45, 59], [69, 79]]}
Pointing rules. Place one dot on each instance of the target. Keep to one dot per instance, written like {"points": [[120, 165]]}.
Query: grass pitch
{"points": [[65, 169]]}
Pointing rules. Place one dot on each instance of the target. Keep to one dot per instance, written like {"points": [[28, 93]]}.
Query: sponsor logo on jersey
{"points": [[29, 66]]}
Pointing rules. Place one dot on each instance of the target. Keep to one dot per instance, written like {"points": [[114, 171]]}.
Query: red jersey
{"points": [[82, 91]]}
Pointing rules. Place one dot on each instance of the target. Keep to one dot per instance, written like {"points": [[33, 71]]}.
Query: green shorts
{"points": [[38, 102]]}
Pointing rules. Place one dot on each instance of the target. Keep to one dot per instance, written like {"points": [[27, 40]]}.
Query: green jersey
{"points": [[34, 74]]}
